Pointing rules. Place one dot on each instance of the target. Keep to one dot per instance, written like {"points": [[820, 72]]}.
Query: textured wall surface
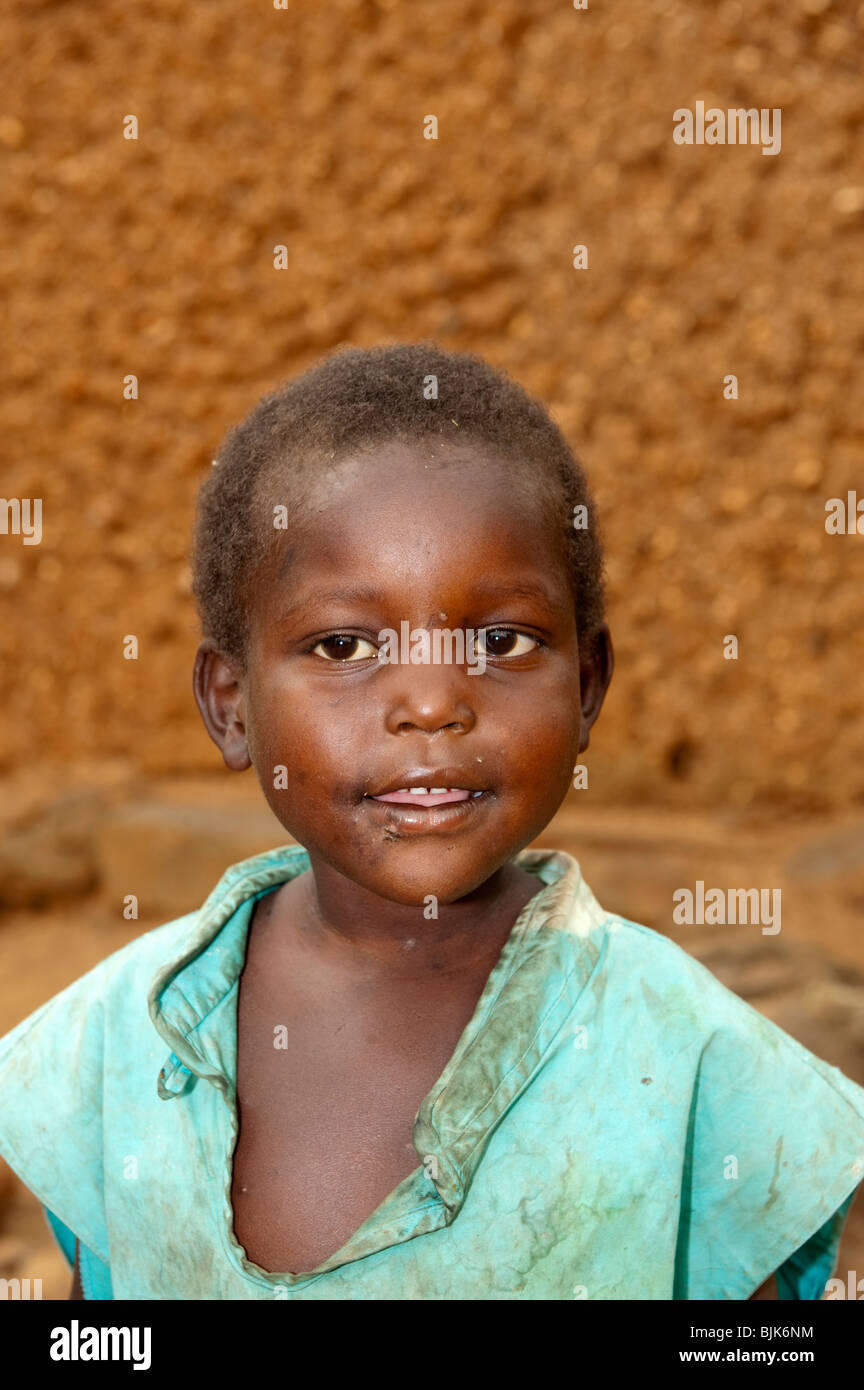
{"points": [[260, 126]]}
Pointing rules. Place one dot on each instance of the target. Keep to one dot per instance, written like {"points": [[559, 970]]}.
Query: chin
{"points": [[413, 879]]}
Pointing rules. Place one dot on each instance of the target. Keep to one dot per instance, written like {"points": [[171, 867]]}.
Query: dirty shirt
{"points": [[613, 1124]]}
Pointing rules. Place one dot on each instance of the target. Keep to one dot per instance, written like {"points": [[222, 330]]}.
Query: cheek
{"points": [[546, 722], [312, 732], [325, 731], [541, 773]]}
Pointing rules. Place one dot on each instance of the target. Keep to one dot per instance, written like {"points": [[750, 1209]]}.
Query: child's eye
{"points": [[343, 646], [504, 641]]}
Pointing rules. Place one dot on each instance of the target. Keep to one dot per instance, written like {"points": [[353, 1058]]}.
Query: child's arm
{"points": [[77, 1291], [766, 1290]]}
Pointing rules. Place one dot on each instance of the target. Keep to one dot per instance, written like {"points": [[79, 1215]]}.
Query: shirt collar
{"points": [[526, 1003], [199, 976]]}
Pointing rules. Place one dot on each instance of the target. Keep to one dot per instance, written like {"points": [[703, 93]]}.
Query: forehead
{"points": [[414, 528], [416, 491], [409, 507]]}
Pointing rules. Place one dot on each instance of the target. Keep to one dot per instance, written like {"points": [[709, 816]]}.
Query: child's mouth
{"points": [[427, 801], [427, 796]]}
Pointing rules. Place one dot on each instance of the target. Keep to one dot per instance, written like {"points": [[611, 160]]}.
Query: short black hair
{"points": [[356, 398]]}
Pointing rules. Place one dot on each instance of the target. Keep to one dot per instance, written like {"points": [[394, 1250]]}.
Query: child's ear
{"points": [[222, 704], [596, 665]]}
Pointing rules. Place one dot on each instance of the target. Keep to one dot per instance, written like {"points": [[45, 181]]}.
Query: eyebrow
{"points": [[481, 592], [356, 594], [524, 590]]}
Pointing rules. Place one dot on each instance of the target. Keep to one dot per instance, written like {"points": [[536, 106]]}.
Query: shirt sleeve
{"points": [[774, 1153], [51, 1110], [805, 1274], [95, 1274]]}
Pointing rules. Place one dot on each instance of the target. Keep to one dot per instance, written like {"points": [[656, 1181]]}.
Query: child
{"points": [[413, 1059]]}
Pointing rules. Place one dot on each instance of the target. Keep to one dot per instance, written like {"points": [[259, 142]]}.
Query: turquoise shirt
{"points": [[613, 1124]]}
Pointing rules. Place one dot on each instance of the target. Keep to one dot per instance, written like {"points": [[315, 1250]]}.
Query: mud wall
{"points": [[259, 126]]}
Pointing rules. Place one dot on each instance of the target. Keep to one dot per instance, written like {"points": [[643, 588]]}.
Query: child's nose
{"points": [[429, 703]]}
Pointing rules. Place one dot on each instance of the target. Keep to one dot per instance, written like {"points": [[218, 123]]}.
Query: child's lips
{"points": [[426, 796], [426, 802]]}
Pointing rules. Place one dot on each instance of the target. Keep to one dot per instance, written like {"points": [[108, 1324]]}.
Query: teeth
{"points": [[431, 791]]}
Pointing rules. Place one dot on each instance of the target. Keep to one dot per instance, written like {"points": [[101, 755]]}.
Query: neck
{"points": [[334, 915]]}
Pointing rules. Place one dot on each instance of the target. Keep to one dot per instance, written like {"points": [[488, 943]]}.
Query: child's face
{"points": [[435, 540]]}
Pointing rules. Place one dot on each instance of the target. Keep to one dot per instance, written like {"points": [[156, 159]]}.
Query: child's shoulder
{"points": [[52, 1077], [667, 974], [128, 974], [654, 986], [122, 974], [646, 986]]}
